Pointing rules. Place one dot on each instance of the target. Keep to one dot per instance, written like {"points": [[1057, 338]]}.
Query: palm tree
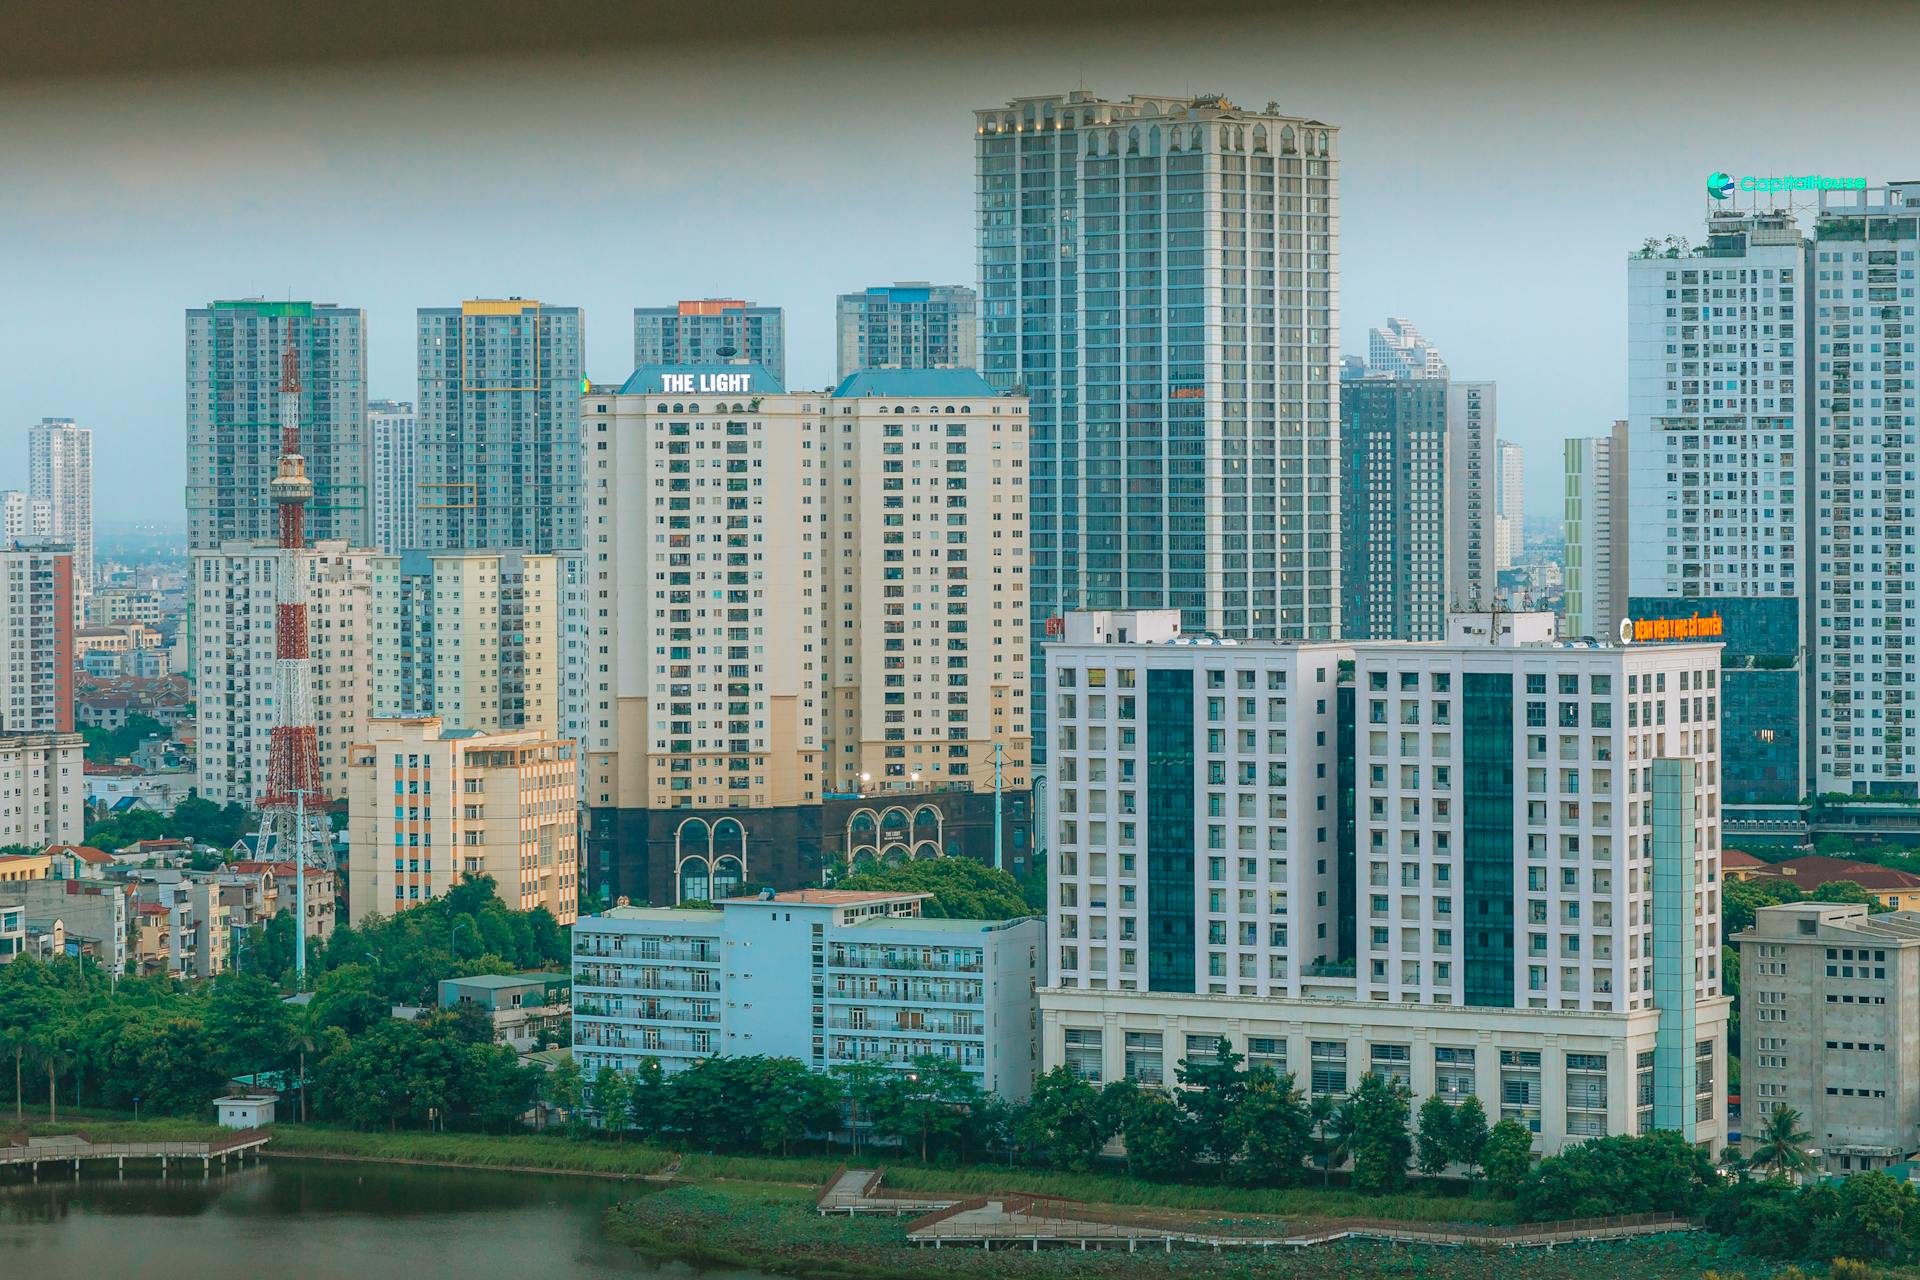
{"points": [[305, 1040], [1781, 1144], [17, 1041], [1332, 1132]]}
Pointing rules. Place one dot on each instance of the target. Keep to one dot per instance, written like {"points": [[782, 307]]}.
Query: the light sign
{"points": [[1698, 627], [683, 383]]}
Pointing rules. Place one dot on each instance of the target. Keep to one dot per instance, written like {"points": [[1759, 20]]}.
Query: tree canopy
{"points": [[962, 888]]}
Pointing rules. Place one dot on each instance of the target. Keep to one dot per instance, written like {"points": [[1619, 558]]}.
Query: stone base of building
{"points": [[1566, 1075], [660, 856]]}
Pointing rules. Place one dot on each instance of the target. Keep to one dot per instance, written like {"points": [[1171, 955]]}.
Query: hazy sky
{"points": [[1495, 172]]}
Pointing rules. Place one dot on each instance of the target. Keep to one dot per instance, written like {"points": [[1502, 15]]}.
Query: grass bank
{"points": [[721, 1228]]}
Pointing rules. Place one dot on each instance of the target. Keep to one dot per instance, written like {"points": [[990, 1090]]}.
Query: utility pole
{"points": [[999, 849]]}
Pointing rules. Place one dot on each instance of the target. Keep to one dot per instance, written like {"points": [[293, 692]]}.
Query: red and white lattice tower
{"points": [[293, 810]]}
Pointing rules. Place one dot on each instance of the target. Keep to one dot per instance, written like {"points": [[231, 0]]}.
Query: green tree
{"points": [[1213, 1088], [611, 1097], [345, 998], [1470, 1135], [1874, 1216], [1436, 1141], [930, 1102], [962, 889], [860, 1084], [1619, 1174], [647, 1100], [1382, 1147], [1507, 1156], [1274, 1132], [251, 1022], [564, 1089], [789, 1102], [1157, 1131], [1781, 1144], [1332, 1122], [1062, 1125]]}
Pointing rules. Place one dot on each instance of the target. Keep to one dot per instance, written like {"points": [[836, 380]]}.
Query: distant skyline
{"points": [[1496, 170]]}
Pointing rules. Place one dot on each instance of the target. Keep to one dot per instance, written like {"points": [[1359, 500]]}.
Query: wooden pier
{"points": [[74, 1150]]}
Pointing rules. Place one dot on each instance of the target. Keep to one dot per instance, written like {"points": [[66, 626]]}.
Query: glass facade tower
{"points": [[1158, 275]]}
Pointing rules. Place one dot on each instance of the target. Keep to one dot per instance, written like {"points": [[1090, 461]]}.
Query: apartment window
{"points": [[1394, 1062], [1520, 1087], [1453, 1077], [1587, 1095], [1267, 1051], [1085, 1052], [1146, 1059], [1329, 1067]]}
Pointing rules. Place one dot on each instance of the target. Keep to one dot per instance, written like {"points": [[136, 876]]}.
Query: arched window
{"points": [[1027, 115], [1286, 140], [1194, 140], [1133, 141], [693, 408], [1153, 141], [1113, 143], [679, 408], [1259, 137], [661, 407], [1046, 115], [966, 408]]}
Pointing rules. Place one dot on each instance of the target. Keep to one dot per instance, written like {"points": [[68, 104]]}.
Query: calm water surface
{"points": [[318, 1219]]}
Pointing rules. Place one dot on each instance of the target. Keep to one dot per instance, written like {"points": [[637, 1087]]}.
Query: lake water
{"points": [[299, 1219]]}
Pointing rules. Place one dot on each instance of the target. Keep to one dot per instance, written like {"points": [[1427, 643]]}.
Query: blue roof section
{"points": [[702, 380], [915, 382]]}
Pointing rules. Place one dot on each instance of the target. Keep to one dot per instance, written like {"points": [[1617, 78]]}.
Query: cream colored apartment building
{"points": [[462, 804]]}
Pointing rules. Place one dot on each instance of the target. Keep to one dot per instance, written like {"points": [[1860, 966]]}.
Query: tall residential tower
{"points": [[498, 458], [907, 326], [1159, 276], [60, 474], [394, 440], [233, 424], [711, 331]]}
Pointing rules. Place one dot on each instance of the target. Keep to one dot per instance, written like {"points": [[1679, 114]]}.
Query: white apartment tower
{"points": [[60, 474], [23, 515], [1865, 617], [1595, 516], [235, 672], [393, 438], [1716, 436], [1510, 492], [1520, 899]]}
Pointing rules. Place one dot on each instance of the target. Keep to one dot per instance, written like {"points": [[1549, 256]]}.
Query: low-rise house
{"points": [[18, 867], [13, 931], [279, 893], [78, 862], [91, 915], [1735, 865], [1898, 890], [526, 1009]]}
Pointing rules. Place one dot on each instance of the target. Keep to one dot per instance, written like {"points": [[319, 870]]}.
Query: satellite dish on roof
{"points": [[726, 353]]}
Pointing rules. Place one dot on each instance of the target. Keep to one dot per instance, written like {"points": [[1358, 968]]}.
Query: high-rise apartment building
{"points": [[1488, 865], [1596, 533], [1864, 622], [912, 325], [60, 474], [22, 515], [711, 331], [236, 675], [478, 639], [1829, 998], [925, 608], [1393, 508], [463, 804], [498, 457], [234, 352], [1159, 276], [825, 976], [43, 789], [1398, 350], [36, 636], [1510, 514], [392, 435], [803, 640], [1472, 423], [1719, 478]]}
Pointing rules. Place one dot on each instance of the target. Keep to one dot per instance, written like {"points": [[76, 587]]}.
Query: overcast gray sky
{"points": [[1495, 172]]}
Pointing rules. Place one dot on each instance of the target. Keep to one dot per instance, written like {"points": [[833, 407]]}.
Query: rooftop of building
{"points": [[1736, 860], [84, 852], [823, 898], [934, 924], [508, 981], [658, 915], [1791, 920], [915, 382], [1815, 870]]}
